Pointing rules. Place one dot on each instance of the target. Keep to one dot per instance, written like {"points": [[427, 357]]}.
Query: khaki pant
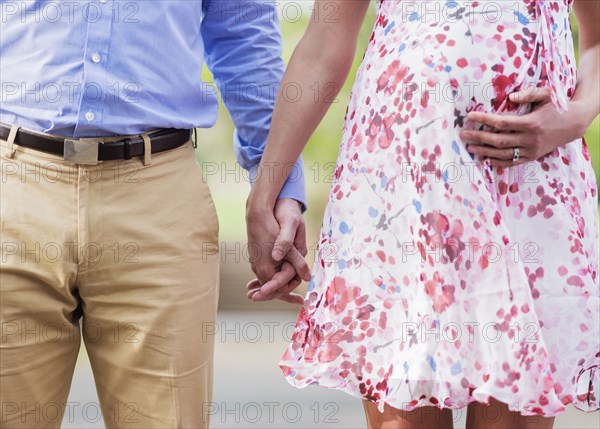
{"points": [[123, 254]]}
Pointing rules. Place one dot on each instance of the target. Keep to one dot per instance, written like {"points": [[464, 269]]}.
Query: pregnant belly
{"points": [[470, 55]]}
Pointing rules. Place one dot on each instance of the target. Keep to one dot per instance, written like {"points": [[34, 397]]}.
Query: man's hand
{"points": [[277, 246]]}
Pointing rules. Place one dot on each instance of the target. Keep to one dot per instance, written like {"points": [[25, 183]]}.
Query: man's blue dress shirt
{"points": [[104, 67]]}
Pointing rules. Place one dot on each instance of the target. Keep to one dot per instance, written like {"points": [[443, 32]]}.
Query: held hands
{"points": [[277, 247], [535, 134]]}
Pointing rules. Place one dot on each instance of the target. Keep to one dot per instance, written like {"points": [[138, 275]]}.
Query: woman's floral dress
{"points": [[440, 280]]}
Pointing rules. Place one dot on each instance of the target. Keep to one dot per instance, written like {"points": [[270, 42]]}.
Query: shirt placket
{"points": [[99, 18]]}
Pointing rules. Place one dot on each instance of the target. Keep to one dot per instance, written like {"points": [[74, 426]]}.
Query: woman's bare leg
{"points": [[496, 415], [421, 418]]}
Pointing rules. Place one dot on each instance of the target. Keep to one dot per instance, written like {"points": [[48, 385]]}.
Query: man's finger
{"points": [[284, 293], [292, 298], [279, 280], [260, 295], [293, 284], [265, 270], [252, 284]]}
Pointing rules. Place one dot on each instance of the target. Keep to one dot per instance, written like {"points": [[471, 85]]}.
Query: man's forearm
{"points": [[245, 58]]}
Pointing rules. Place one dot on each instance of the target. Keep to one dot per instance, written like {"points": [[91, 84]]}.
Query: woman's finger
{"points": [[501, 122], [502, 163], [498, 140], [531, 94], [295, 258], [491, 152]]}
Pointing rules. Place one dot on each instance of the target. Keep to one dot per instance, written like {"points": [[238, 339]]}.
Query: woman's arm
{"points": [[587, 92], [323, 57]]}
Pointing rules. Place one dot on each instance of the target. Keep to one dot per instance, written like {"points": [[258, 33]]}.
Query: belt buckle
{"points": [[81, 152]]}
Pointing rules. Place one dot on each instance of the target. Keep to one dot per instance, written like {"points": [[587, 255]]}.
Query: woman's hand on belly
{"points": [[535, 134]]}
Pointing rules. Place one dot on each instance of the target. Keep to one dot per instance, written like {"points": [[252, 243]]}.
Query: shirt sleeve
{"points": [[242, 42]]}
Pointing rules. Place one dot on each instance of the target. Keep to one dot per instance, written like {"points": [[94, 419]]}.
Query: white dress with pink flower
{"points": [[440, 280]]}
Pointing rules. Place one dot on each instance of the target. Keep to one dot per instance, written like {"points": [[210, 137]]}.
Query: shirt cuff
{"points": [[293, 188]]}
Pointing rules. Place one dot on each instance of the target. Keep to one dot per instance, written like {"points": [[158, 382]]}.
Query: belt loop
{"points": [[11, 141], [147, 149]]}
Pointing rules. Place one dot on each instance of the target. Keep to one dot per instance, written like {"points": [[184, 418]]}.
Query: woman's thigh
{"points": [[421, 418], [496, 415]]}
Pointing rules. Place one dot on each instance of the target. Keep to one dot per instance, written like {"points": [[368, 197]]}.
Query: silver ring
{"points": [[515, 154]]}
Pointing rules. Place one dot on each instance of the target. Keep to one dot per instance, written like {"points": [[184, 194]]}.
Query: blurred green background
{"points": [[230, 188]]}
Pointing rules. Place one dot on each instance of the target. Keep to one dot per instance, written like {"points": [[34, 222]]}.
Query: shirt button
{"points": [[96, 57], [89, 116], [102, 1]]}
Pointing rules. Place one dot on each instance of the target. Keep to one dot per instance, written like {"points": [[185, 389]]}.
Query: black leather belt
{"points": [[75, 150]]}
